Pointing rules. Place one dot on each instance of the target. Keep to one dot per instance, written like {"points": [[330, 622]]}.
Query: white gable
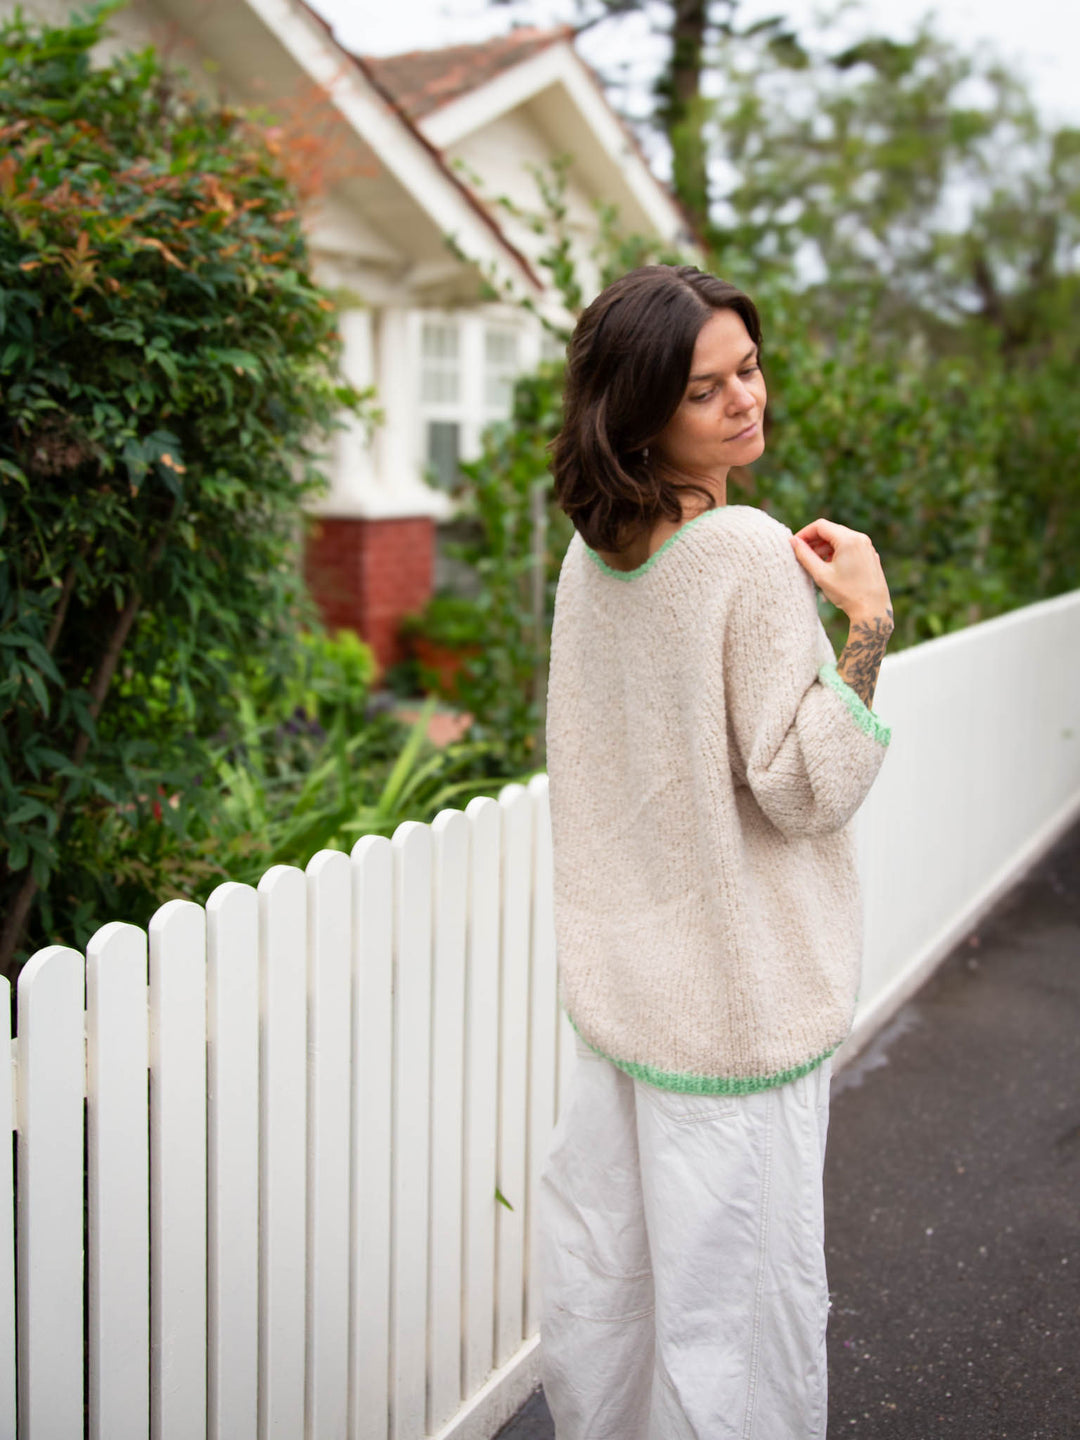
{"points": [[503, 153], [565, 105]]}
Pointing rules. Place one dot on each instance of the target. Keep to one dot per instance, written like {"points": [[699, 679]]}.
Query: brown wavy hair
{"points": [[627, 367]]}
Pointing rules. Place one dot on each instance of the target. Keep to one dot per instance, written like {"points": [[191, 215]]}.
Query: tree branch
{"points": [[19, 912], [66, 592]]}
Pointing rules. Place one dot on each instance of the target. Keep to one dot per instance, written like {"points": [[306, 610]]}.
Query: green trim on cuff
{"points": [[866, 720], [687, 1084]]}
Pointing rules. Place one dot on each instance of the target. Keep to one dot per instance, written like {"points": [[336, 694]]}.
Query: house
{"points": [[422, 144]]}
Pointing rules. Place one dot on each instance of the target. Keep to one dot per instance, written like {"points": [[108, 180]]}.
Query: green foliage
{"points": [[520, 534], [281, 788], [922, 186], [285, 791], [895, 444], [1036, 534], [168, 369], [877, 165], [446, 619]]}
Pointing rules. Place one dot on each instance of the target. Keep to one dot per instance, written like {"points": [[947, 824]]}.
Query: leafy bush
{"points": [[902, 447], [446, 619], [275, 793], [519, 534], [508, 494], [167, 373]]}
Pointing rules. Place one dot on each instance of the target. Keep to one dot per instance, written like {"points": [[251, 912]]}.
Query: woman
{"points": [[706, 755]]}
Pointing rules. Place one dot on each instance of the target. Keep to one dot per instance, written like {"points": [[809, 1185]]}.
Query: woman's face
{"points": [[719, 420]]}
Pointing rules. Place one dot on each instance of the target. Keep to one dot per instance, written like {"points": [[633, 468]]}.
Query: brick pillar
{"points": [[366, 574]]}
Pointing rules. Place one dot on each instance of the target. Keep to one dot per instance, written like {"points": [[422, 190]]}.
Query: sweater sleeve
{"points": [[808, 747]]}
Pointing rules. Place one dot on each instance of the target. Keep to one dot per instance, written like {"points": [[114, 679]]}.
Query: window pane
{"points": [[443, 450], [500, 348], [498, 392], [439, 379], [551, 348], [438, 386], [500, 368], [439, 340]]}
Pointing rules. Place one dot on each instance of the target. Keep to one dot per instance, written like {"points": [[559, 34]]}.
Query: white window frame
{"points": [[470, 411]]}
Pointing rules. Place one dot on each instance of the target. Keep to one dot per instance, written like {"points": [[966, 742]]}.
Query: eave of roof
{"points": [[391, 101], [421, 82]]}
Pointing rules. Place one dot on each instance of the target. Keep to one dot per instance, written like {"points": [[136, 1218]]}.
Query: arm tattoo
{"points": [[862, 655]]}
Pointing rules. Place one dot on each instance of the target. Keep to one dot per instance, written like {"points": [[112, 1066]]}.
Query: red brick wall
{"points": [[366, 574]]}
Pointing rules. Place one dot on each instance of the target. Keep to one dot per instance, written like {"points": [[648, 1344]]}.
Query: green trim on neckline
{"points": [[687, 1084], [865, 718], [641, 569]]}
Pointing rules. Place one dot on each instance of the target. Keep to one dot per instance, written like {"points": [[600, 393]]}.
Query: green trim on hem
{"points": [[865, 718], [687, 1084], [641, 569]]}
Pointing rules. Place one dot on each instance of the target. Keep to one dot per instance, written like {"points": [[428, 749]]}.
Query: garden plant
{"points": [[168, 375]]}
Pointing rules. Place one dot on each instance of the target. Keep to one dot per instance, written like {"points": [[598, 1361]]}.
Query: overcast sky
{"points": [[1039, 37]]}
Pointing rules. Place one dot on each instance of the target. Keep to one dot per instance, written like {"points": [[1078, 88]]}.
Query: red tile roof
{"points": [[420, 81], [418, 135]]}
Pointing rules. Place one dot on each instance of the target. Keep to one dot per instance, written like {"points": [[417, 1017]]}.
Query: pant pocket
{"points": [[588, 1293], [683, 1109]]}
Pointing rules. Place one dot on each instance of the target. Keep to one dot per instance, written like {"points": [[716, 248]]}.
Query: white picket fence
{"points": [[294, 1138]]}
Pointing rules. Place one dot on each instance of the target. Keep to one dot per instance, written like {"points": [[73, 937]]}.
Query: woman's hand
{"points": [[845, 567]]}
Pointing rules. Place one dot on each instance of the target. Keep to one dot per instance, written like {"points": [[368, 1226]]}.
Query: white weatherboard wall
{"points": [[982, 776], [301, 1100]]}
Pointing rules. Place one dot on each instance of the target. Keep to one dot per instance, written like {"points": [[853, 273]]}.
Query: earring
{"points": [[645, 453]]}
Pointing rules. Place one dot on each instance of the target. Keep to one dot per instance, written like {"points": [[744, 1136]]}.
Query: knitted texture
{"points": [[705, 761]]}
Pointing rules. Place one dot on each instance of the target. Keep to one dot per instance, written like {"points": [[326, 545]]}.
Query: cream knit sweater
{"points": [[704, 762]]}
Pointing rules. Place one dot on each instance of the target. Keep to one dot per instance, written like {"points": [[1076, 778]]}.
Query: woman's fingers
{"points": [[844, 565], [808, 556], [821, 529], [816, 542]]}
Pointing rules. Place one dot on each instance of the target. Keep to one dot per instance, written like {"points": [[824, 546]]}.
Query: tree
{"points": [[917, 184], [913, 170], [679, 110], [912, 185], [167, 372]]}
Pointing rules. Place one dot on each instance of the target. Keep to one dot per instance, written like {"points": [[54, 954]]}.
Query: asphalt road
{"points": [[952, 1193]]}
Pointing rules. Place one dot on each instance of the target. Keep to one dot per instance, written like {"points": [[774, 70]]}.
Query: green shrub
{"points": [[902, 446], [446, 619], [168, 371]]}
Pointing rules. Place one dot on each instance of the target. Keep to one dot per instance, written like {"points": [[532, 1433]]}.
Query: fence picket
{"points": [[282, 1151], [543, 1038], [450, 834], [372, 1049], [178, 1171], [329, 879], [117, 1059], [411, 846], [7, 1219], [481, 1088], [516, 805], [52, 1071], [232, 1057]]}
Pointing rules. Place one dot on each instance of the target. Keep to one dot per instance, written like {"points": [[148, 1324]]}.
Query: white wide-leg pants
{"points": [[683, 1262]]}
